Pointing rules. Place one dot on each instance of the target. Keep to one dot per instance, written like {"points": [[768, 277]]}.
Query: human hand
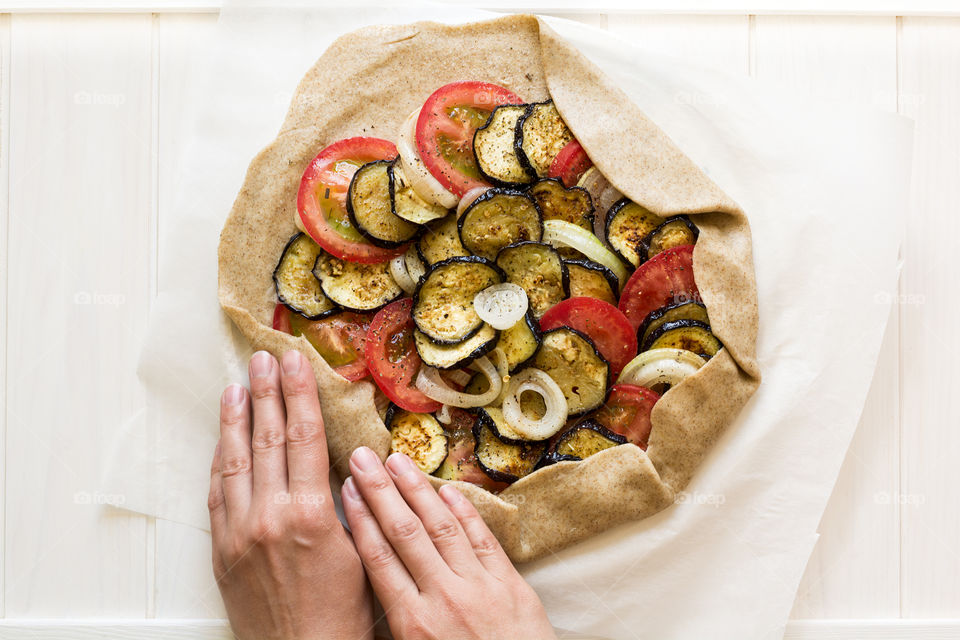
{"points": [[285, 565], [436, 568]]}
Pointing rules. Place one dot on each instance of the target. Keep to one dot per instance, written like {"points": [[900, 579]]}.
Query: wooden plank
{"points": [[79, 198], [4, 265], [854, 570], [719, 42], [183, 586], [930, 93]]}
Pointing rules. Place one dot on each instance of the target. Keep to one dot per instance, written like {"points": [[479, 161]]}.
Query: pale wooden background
{"points": [[88, 102]]}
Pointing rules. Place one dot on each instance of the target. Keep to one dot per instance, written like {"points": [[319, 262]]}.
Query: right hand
{"points": [[434, 565]]}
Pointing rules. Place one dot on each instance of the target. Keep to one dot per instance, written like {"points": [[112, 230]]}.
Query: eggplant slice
{"points": [[691, 335], [497, 218], [538, 269], [495, 149], [296, 285], [575, 364], [370, 206], [419, 436], [493, 417], [407, 203], [356, 286], [505, 461], [627, 226], [461, 461], [541, 134], [589, 279], [674, 232], [440, 240], [691, 310], [584, 440], [520, 342], [451, 356], [443, 301], [557, 202]]}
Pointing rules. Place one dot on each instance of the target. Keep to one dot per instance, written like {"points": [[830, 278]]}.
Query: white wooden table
{"points": [[89, 103]]}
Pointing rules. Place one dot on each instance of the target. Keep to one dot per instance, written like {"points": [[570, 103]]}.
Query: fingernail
{"points": [[365, 459], [450, 494], [400, 464], [261, 364], [349, 490], [233, 395], [291, 362]]}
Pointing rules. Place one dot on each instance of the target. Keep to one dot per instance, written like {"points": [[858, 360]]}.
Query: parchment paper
{"points": [[812, 177]]}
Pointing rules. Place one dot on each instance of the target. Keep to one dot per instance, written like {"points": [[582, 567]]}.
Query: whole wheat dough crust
{"points": [[365, 84]]}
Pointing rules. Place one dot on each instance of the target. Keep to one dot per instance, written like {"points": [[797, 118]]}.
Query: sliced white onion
{"points": [[459, 376], [561, 233], [468, 199], [398, 269], [422, 181], [414, 264], [542, 384], [501, 305], [660, 366], [443, 416], [434, 387]]}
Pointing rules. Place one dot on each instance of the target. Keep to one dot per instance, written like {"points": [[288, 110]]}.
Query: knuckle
{"points": [[379, 482], [444, 531], [263, 532], [237, 465], [232, 419], [304, 431], [379, 555], [264, 390], [486, 546], [267, 439], [299, 385], [404, 529], [214, 500]]}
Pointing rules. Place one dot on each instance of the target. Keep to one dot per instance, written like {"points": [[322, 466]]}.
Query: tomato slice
{"points": [[393, 358], [571, 163], [603, 323], [664, 279], [338, 338], [627, 412], [445, 128], [461, 463], [322, 199]]}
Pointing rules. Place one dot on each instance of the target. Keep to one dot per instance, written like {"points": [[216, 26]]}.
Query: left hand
{"points": [[285, 565]]}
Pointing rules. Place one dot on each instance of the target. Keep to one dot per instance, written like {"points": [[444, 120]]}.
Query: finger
{"points": [[485, 545], [388, 577], [442, 526], [269, 428], [215, 501], [308, 468], [399, 523], [236, 462]]}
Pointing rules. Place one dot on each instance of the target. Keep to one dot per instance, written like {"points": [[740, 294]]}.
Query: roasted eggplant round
{"points": [[497, 218], [589, 279], [451, 356], [370, 206], [674, 232], [538, 269], [520, 342], [295, 283], [501, 460], [419, 436], [690, 335], [557, 202], [585, 439], [356, 286], [541, 134], [440, 240], [495, 149], [627, 226], [406, 203], [443, 301], [691, 310], [575, 364]]}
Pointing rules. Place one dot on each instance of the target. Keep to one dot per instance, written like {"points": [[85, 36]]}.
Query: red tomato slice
{"points": [[445, 128], [600, 321], [322, 199], [393, 358], [571, 163], [461, 463], [627, 412], [664, 279], [338, 338]]}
